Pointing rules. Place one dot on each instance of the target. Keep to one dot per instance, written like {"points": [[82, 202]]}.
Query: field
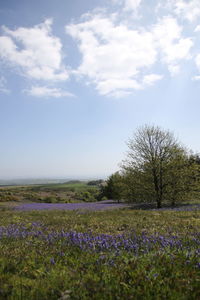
{"points": [[50, 193], [115, 254]]}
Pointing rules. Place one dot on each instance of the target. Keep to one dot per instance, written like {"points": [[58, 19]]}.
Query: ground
{"points": [[121, 253]]}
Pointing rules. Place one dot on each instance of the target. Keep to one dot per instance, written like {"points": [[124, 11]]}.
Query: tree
{"points": [[157, 162], [194, 175], [114, 187], [95, 182], [178, 177]]}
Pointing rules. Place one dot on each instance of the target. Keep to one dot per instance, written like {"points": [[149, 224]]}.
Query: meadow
{"points": [[121, 253]]}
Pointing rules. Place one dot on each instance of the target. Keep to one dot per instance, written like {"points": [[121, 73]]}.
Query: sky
{"points": [[77, 78]]}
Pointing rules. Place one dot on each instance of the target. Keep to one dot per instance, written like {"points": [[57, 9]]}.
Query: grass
{"points": [[38, 262], [63, 186], [77, 186]]}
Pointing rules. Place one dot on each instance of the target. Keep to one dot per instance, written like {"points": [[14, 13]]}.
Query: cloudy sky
{"points": [[78, 77]]}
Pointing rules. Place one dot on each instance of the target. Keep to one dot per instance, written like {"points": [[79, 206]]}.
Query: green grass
{"points": [[66, 185], [58, 186], [30, 268]]}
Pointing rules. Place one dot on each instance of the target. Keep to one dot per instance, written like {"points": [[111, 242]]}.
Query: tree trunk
{"points": [[158, 205], [157, 190], [173, 202]]}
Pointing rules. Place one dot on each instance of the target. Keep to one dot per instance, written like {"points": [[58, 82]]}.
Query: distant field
{"points": [[49, 185], [50, 193], [66, 186]]}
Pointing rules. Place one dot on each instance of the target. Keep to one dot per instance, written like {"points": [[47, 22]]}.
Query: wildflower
{"points": [[52, 261]]}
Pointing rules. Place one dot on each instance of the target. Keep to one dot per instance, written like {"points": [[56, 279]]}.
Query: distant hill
{"points": [[32, 181], [73, 181], [38, 181]]}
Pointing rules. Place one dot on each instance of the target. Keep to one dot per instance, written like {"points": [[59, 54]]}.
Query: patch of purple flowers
{"points": [[131, 242], [94, 206]]}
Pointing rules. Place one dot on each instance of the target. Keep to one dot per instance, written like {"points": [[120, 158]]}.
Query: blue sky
{"points": [[77, 78]]}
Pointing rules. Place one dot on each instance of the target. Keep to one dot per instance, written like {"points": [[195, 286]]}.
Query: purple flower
{"points": [[52, 261], [198, 265], [94, 206], [87, 241]]}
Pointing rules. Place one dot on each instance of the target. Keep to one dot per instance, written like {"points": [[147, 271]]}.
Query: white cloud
{"points": [[150, 79], [35, 51], [113, 55], [131, 5], [197, 61], [197, 29], [196, 78], [174, 69], [46, 92], [117, 86], [3, 88], [171, 43], [189, 10], [117, 58]]}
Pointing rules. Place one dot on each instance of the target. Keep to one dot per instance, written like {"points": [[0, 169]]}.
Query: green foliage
{"points": [[114, 187], [50, 199], [157, 169], [95, 182], [8, 196], [86, 196]]}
